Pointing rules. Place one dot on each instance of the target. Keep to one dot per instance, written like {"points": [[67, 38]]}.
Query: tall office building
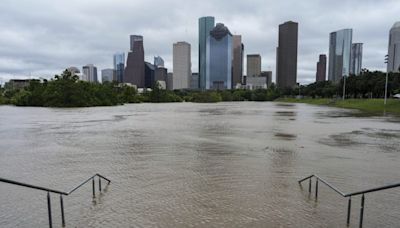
{"points": [[237, 61], [161, 75], [219, 58], [149, 79], [194, 81], [181, 65], [321, 69], [356, 58], [286, 58], [206, 24], [89, 73], [119, 67], [394, 49], [107, 75], [253, 65], [268, 75], [170, 84], [158, 61], [339, 54], [134, 71]]}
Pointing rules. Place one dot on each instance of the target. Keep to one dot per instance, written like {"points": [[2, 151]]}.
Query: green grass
{"points": [[367, 105]]}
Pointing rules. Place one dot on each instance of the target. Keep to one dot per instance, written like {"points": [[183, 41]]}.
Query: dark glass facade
{"points": [[206, 24], [339, 54], [321, 69], [286, 66], [134, 71]]}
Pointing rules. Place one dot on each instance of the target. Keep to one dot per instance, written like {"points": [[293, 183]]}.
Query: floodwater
{"points": [[198, 165]]}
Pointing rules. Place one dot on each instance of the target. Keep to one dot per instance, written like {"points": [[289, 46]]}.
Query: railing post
{"points": [[309, 185], [316, 189], [62, 211], [94, 191], [99, 184], [362, 211], [49, 209], [348, 211]]}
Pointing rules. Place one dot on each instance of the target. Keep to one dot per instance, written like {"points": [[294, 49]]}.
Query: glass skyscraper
{"points": [[119, 66], [339, 54], [394, 48], [356, 58], [219, 58], [206, 24]]}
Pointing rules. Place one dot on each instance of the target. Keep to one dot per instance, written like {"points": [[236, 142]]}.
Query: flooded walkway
{"points": [[198, 165]]}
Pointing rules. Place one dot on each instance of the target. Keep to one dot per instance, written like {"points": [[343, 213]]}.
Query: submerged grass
{"points": [[375, 106]]}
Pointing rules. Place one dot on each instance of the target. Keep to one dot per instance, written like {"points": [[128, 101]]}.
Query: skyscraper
{"points": [[394, 48], [339, 54], [237, 62], [286, 66], [219, 58], [253, 65], [119, 66], [356, 58], [107, 75], [158, 61], [268, 75], [134, 71], [181, 65], [194, 81], [206, 24], [321, 69], [149, 79], [89, 73]]}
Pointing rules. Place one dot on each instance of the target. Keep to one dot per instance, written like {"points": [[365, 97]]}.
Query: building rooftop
{"points": [[396, 25], [220, 31]]}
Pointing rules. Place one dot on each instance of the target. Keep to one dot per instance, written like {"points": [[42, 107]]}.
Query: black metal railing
{"points": [[61, 193], [348, 195]]}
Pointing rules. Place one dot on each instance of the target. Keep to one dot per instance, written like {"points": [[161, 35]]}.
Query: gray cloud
{"points": [[41, 38]]}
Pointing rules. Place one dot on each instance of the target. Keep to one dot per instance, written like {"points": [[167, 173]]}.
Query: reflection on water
{"points": [[197, 165]]}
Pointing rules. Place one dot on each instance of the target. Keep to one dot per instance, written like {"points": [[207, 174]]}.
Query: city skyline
{"points": [[72, 45]]}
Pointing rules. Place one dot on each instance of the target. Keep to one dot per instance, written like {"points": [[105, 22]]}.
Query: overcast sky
{"points": [[41, 38]]}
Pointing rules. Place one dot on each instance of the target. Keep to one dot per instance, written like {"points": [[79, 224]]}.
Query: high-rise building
{"points": [[394, 49], [119, 67], [89, 73], [356, 58], [237, 62], [160, 75], [107, 75], [321, 69], [149, 70], [339, 54], [219, 58], [206, 24], [134, 71], [286, 66], [181, 65], [253, 65], [158, 61], [194, 81], [170, 84], [268, 76]]}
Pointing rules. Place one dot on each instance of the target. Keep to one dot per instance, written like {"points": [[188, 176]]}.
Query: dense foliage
{"points": [[67, 91]]}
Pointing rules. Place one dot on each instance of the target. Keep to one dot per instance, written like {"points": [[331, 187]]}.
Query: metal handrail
{"points": [[348, 195], [61, 193]]}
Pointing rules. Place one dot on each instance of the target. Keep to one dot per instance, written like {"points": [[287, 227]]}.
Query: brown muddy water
{"points": [[198, 165]]}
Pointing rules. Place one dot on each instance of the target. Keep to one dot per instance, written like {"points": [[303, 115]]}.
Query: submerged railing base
{"points": [[61, 193], [349, 195]]}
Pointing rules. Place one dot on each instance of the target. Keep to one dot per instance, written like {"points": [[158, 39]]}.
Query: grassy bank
{"points": [[366, 105]]}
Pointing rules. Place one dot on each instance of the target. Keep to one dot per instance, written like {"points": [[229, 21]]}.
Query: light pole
{"points": [[387, 75]]}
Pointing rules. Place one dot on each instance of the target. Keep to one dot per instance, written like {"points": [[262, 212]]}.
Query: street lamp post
{"points": [[387, 75]]}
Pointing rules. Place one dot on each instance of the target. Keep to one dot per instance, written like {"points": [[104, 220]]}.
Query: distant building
{"points": [[339, 54], [206, 24], [394, 49], [181, 65], [237, 61], [256, 82], [89, 73], [15, 84], [134, 71], [107, 75], [119, 67], [321, 69], [286, 70], [356, 58], [194, 81], [73, 70], [161, 75], [170, 83], [158, 61], [149, 70], [253, 65], [219, 58], [268, 76]]}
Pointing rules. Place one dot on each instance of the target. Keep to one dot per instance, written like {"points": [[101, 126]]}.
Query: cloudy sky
{"points": [[41, 38]]}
